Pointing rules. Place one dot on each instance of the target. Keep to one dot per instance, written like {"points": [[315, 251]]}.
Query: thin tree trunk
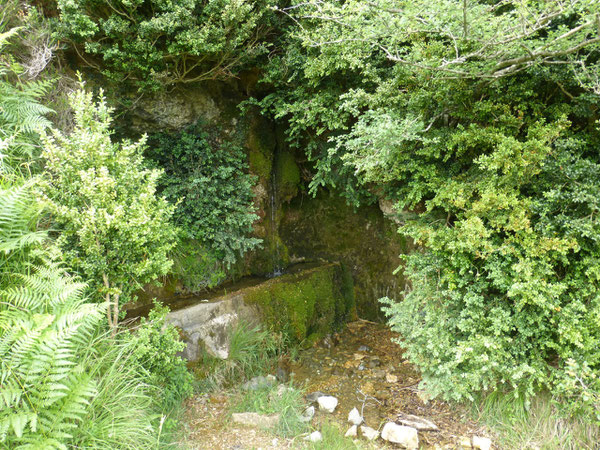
{"points": [[115, 314], [108, 302]]}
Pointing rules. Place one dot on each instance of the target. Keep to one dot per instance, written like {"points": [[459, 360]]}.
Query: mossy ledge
{"points": [[307, 304]]}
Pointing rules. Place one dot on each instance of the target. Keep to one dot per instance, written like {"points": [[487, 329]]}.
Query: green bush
{"points": [[208, 181], [113, 228], [156, 346], [489, 146]]}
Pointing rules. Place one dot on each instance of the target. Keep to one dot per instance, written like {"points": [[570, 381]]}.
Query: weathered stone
{"points": [[252, 419], [208, 324], [391, 378], [313, 396], [259, 382], [482, 443], [400, 434], [314, 297], [361, 238], [309, 413], [417, 422], [352, 431], [464, 442], [327, 403], [369, 433], [354, 417]]}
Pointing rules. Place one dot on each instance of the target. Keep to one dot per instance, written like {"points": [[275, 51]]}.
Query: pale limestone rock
{"points": [[315, 436], [417, 422], [369, 433], [352, 431], [327, 403], [354, 417], [400, 434], [482, 443]]}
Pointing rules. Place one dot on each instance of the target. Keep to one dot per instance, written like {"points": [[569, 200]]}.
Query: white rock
{"points": [[308, 414], [327, 403], [400, 434], [354, 417], [352, 431], [369, 433], [315, 436], [464, 442], [482, 443], [417, 422]]}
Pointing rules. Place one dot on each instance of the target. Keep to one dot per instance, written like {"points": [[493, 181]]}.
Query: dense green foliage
{"points": [[114, 230], [480, 121], [208, 181], [156, 346], [64, 381], [156, 43]]}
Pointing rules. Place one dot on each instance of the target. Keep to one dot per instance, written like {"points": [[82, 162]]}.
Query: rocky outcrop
{"points": [[305, 304], [293, 225], [207, 325]]}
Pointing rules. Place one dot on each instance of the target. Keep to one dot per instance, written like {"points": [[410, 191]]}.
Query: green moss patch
{"points": [[311, 302]]}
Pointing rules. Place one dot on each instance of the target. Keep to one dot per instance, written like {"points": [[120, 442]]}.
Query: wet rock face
{"points": [[362, 239], [293, 225]]}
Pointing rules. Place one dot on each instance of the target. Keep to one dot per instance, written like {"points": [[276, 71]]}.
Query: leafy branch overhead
{"points": [[157, 43], [479, 119], [468, 39]]}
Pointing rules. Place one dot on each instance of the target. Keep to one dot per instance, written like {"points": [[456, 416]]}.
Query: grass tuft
{"points": [[334, 439], [535, 426], [252, 351]]}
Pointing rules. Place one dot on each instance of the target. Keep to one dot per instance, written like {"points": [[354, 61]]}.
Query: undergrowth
{"points": [[252, 351], [285, 400], [334, 439], [538, 425]]}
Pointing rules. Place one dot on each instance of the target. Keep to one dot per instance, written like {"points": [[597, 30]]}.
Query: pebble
{"points": [[400, 434], [364, 348], [354, 417], [327, 403], [482, 443], [315, 436], [391, 378], [352, 431], [309, 413], [369, 433]]}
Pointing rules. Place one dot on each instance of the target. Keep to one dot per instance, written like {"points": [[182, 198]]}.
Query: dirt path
{"points": [[363, 369]]}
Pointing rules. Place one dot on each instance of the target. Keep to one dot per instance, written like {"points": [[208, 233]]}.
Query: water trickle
{"points": [[274, 234]]}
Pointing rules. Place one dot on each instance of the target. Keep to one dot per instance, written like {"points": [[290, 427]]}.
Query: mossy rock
{"points": [[309, 303], [288, 176], [261, 143]]}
